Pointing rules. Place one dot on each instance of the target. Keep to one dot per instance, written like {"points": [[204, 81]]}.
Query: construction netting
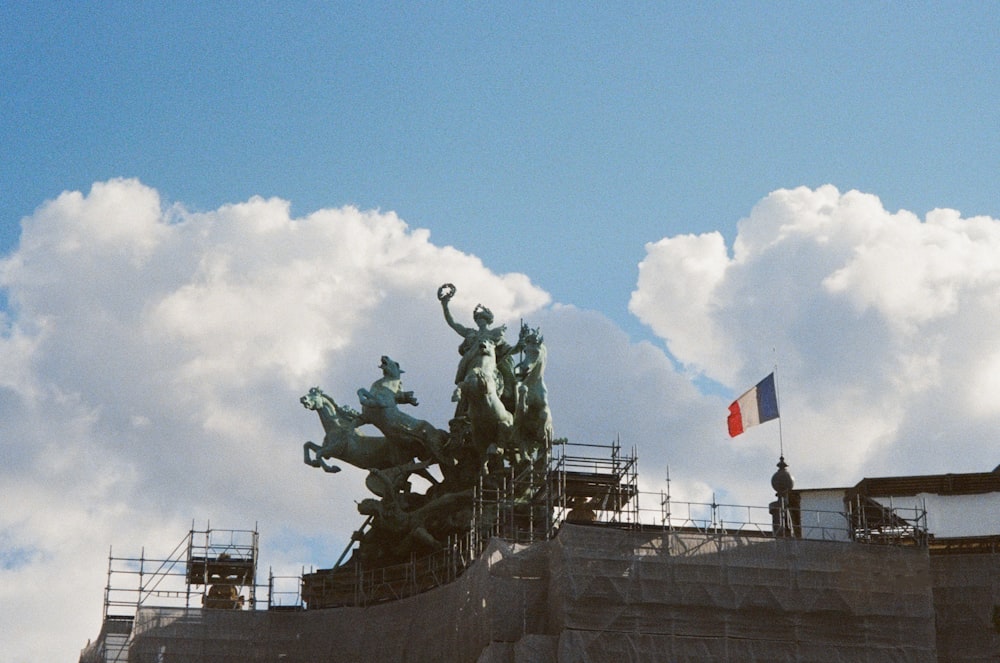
{"points": [[673, 596], [497, 598], [598, 593], [967, 606]]}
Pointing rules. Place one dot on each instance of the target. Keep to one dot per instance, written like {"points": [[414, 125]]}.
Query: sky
{"points": [[205, 210]]}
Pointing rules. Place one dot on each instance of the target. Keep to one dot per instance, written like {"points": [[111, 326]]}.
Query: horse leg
{"points": [[332, 469], [314, 460]]}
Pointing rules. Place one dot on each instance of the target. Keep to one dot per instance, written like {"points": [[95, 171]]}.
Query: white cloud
{"points": [[152, 362], [914, 272], [680, 308], [877, 320], [154, 359]]}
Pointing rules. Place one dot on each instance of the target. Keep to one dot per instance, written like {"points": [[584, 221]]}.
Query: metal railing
{"points": [[889, 525], [350, 585]]}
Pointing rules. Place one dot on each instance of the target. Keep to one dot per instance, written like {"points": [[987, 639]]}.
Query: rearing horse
{"points": [[533, 418], [343, 441], [489, 420]]}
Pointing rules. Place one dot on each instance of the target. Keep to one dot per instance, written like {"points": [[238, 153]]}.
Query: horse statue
{"points": [[343, 441], [532, 419], [379, 407], [489, 420]]}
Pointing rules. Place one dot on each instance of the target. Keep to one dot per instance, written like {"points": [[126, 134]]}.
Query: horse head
{"points": [[487, 350], [332, 415], [390, 368], [532, 366], [314, 400], [482, 373]]}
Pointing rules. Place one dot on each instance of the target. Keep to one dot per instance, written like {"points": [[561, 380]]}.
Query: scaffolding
{"points": [[209, 568], [513, 503], [595, 483], [353, 586], [223, 563], [568, 482], [212, 568], [521, 503], [874, 522]]}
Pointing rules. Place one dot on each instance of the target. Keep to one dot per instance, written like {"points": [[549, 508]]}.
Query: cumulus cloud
{"points": [[884, 327], [152, 359]]}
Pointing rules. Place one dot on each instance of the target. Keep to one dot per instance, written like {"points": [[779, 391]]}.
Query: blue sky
{"points": [[554, 139], [208, 208]]}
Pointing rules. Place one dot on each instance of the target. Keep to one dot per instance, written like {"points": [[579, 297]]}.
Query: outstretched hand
{"points": [[446, 292]]}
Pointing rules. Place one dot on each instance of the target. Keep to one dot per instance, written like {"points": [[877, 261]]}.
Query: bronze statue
{"points": [[502, 422], [469, 348], [343, 441]]}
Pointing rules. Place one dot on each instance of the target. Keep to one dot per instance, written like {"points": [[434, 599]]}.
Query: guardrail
{"points": [[899, 525]]}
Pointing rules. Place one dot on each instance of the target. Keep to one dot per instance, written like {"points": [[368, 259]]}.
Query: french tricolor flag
{"points": [[758, 405]]}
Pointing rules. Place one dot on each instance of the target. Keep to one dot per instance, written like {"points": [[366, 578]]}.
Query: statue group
{"points": [[502, 428]]}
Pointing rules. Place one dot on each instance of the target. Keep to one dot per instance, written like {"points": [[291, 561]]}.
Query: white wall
{"points": [[955, 515], [822, 515]]}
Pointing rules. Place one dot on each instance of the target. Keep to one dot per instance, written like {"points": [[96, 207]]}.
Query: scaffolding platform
{"points": [[603, 491], [594, 483], [211, 570]]}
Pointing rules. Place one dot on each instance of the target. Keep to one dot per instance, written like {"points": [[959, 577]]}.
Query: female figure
{"points": [[471, 337]]}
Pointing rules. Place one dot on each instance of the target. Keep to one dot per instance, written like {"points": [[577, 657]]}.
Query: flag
{"points": [[758, 405]]}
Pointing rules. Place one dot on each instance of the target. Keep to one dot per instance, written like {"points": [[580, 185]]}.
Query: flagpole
{"points": [[777, 399]]}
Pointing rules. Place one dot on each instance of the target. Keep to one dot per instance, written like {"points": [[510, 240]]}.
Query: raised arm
{"points": [[445, 293]]}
